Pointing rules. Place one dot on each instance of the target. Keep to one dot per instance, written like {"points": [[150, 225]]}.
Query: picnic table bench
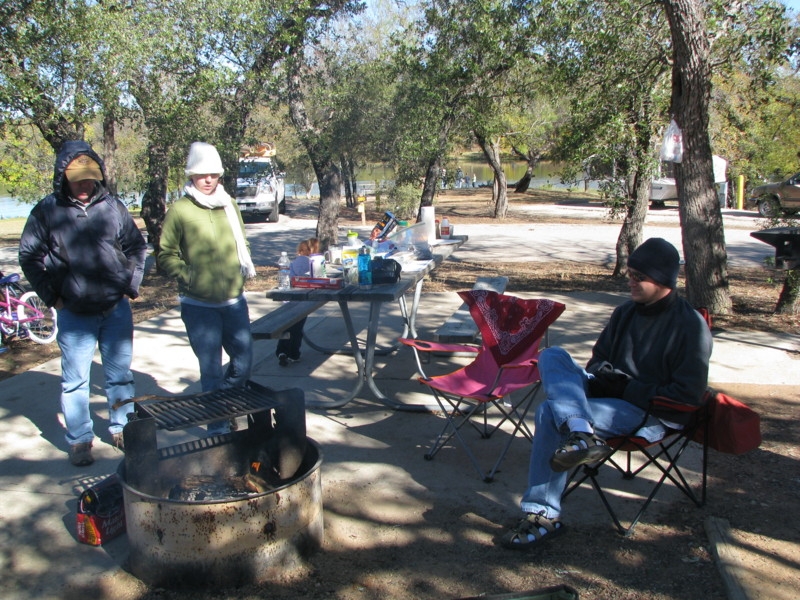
{"points": [[460, 327], [273, 324]]}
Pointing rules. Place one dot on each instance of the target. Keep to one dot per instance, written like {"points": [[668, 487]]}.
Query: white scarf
{"points": [[221, 199]]}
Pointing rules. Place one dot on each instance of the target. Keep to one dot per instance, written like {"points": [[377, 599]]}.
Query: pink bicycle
{"points": [[24, 314]]}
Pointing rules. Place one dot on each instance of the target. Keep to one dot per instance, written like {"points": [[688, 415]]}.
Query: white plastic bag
{"points": [[672, 147]]}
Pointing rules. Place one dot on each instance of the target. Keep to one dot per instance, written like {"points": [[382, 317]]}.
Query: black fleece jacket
{"points": [[664, 347]]}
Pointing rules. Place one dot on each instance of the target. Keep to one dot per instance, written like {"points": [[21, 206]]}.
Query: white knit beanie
{"points": [[203, 160]]}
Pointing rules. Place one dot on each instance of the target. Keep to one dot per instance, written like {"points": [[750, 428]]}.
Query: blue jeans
{"points": [[78, 335], [212, 329], [565, 384], [291, 346]]}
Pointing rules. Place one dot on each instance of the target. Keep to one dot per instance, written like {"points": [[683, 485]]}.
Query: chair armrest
{"points": [[420, 346], [426, 346], [670, 404], [525, 364]]}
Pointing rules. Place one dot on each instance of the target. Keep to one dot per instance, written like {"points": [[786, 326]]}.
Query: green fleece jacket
{"points": [[199, 251]]}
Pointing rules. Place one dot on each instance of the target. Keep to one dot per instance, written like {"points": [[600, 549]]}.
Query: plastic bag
{"points": [[672, 146], [413, 239]]}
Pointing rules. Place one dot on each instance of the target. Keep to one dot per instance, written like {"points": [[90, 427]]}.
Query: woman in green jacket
{"points": [[203, 246]]}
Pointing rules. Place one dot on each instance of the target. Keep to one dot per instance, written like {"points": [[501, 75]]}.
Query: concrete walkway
{"points": [[38, 488], [365, 445]]}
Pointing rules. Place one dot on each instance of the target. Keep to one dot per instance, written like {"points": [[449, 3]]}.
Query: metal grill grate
{"points": [[181, 412]]}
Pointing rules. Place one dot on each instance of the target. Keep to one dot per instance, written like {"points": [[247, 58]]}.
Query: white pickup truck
{"points": [[260, 187]]}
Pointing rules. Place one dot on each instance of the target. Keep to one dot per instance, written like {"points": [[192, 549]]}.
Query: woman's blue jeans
{"points": [[78, 336], [565, 384], [212, 330]]}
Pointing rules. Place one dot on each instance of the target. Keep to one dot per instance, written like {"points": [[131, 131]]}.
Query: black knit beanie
{"points": [[658, 259]]}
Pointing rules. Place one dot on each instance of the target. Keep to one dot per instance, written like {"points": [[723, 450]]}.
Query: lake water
{"points": [[10, 208], [544, 176]]}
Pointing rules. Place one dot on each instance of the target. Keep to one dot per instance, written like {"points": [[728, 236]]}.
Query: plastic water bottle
{"points": [[364, 267], [284, 279]]}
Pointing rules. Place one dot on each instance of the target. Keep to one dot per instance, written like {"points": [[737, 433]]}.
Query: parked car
{"points": [[772, 199], [663, 188], [260, 187]]}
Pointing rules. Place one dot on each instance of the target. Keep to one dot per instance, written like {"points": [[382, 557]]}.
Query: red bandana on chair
{"points": [[509, 325]]}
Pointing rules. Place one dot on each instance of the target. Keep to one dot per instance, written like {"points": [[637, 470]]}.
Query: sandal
{"points": [[527, 535], [580, 448]]}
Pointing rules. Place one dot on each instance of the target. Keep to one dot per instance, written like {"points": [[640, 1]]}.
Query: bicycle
{"points": [[24, 314]]}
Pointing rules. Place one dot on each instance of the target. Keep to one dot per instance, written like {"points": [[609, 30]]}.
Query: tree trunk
{"points": [[491, 150], [789, 300], [701, 218], [53, 126], [630, 235], [531, 159], [349, 180], [154, 201], [638, 189], [329, 179], [329, 175], [110, 151], [524, 182], [431, 184]]}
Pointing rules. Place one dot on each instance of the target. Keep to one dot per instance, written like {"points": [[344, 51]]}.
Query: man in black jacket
{"points": [[655, 344], [83, 254]]}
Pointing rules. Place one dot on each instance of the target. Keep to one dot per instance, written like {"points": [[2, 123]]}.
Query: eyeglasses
{"points": [[636, 276]]}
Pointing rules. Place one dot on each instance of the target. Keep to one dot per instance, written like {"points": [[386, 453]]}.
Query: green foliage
{"points": [[26, 164], [404, 199], [754, 117], [452, 68], [619, 53]]}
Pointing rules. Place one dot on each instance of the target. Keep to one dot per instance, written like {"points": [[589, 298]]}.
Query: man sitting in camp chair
{"points": [[655, 344]]}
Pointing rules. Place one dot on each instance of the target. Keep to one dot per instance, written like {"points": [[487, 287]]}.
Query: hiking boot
{"points": [[118, 441], [80, 455]]}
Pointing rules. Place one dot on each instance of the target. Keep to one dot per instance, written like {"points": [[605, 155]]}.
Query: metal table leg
{"points": [[365, 362]]}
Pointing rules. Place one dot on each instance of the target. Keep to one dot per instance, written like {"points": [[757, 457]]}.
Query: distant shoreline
{"points": [[12, 209]]}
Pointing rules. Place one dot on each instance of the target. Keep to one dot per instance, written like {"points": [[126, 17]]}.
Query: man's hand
{"points": [[608, 384]]}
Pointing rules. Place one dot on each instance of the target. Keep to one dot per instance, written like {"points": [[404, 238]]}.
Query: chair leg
{"points": [[452, 428], [514, 415], [456, 417], [671, 471]]}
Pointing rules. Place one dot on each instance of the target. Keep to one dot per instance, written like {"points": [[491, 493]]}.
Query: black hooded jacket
{"points": [[89, 256]]}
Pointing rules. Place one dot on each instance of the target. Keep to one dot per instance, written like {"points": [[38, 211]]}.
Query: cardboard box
{"points": [[328, 283], [101, 512]]}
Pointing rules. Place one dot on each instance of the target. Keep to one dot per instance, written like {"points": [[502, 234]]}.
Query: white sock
{"points": [[578, 424]]}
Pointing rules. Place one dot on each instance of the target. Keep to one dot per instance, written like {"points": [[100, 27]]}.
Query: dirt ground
{"points": [[667, 559]]}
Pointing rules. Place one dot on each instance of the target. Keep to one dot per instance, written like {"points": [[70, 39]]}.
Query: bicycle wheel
{"points": [[41, 330]]}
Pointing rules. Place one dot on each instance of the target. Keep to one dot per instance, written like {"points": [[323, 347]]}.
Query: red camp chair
{"points": [[663, 454], [480, 394]]}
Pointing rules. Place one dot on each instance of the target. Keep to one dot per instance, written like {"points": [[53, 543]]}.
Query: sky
{"points": [[793, 4]]}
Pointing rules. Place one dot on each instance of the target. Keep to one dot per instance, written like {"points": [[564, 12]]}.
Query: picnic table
{"points": [[411, 277]]}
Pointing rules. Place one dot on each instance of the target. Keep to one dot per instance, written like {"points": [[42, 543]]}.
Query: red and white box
{"points": [[101, 512], [327, 283]]}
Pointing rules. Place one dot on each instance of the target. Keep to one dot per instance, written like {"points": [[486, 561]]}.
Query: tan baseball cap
{"points": [[83, 167]]}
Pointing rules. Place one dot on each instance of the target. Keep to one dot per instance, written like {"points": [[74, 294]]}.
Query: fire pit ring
{"points": [[228, 510], [253, 539]]}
